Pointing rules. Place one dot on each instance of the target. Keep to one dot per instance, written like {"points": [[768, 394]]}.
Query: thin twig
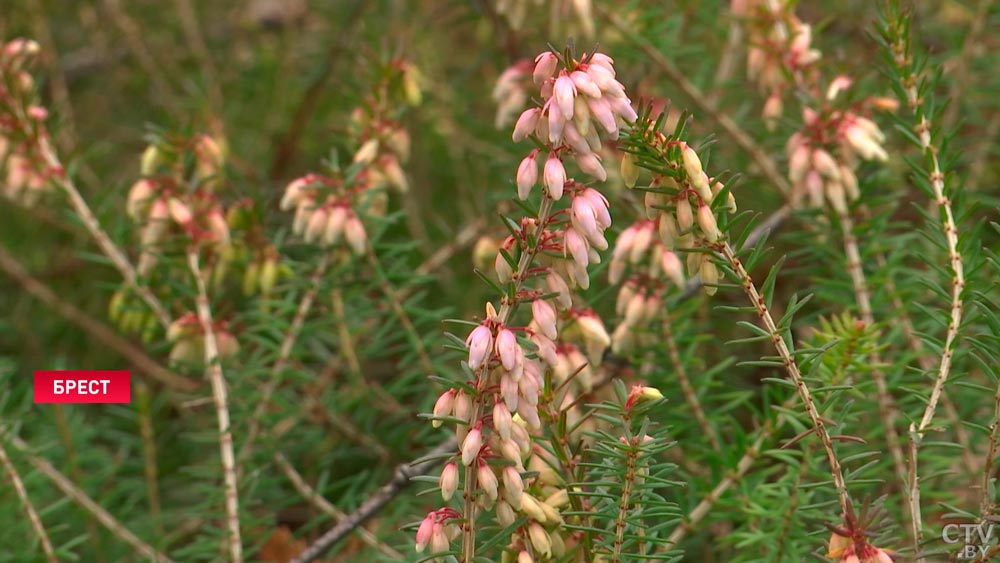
{"points": [[215, 376], [67, 487], [899, 43], [319, 502], [149, 457], [792, 369], [29, 509], [93, 327], [107, 246], [400, 480]]}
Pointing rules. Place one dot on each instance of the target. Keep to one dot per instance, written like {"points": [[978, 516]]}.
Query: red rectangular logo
{"points": [[82, 386]]}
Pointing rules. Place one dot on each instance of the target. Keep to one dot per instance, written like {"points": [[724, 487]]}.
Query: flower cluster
{"points": [[324, 209], [824, 154], [384, 148], [187, 339], [654, 267], [26, 176], [681, 204], [779, 46], [164, 199], [545, 256]]}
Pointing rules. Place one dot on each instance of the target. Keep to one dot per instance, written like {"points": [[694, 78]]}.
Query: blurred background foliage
{"points": [[277, 79]]}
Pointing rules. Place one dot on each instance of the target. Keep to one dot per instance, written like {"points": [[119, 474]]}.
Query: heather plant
{"points": [[519, 281]]}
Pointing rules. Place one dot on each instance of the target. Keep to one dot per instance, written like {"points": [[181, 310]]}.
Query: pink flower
{"points": [[591, 164], [601, 110], [480, 341], [585, 84], [564, 91], [557, 121], [449, 480], [576, 246], [502, 420], [471, 446], [545, 65], [444, 406], [487, 480], [508, 349], [527, 175], [425, 531], [545, 316], [354, 233], [554, 176], [526, 124]]}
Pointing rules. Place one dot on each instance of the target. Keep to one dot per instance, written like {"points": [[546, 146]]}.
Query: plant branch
{"points": [[93, 327], [319, 502], [93, 226], [67, 487], [215, 376], [690, 395], [792, 368], [29, 509], [400, 480]]}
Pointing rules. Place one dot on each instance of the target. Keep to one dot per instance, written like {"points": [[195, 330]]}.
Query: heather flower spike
{"points": [[545, 256]]}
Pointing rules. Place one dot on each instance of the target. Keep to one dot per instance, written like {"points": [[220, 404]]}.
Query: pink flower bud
{"points": [[685, 215], [576, 245], [439, 539], [335, 225], [556, 120], [546, 348], [573, 138], [444, 406], [591, 164], [554, 176], [463, 406], [471, 446], [449, 480], [672, 267], [354, 233], [504, 271], [798, 163], [502, 420], [179, 211], [480, 342], [527, 175], [532, 508], [601, 110], [139, 197], [692, 164], [513, 486], [825, 164], [564, 91], [707, 223], [545, 66], [641, 243], [505, 514], [424, 532], [509, 391], [526, 124], [487, 480], [545, 316], [540, 539], [556, 284], [602, 60], [585, 84], [524, 557], [507, 348], [316, 226]]}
